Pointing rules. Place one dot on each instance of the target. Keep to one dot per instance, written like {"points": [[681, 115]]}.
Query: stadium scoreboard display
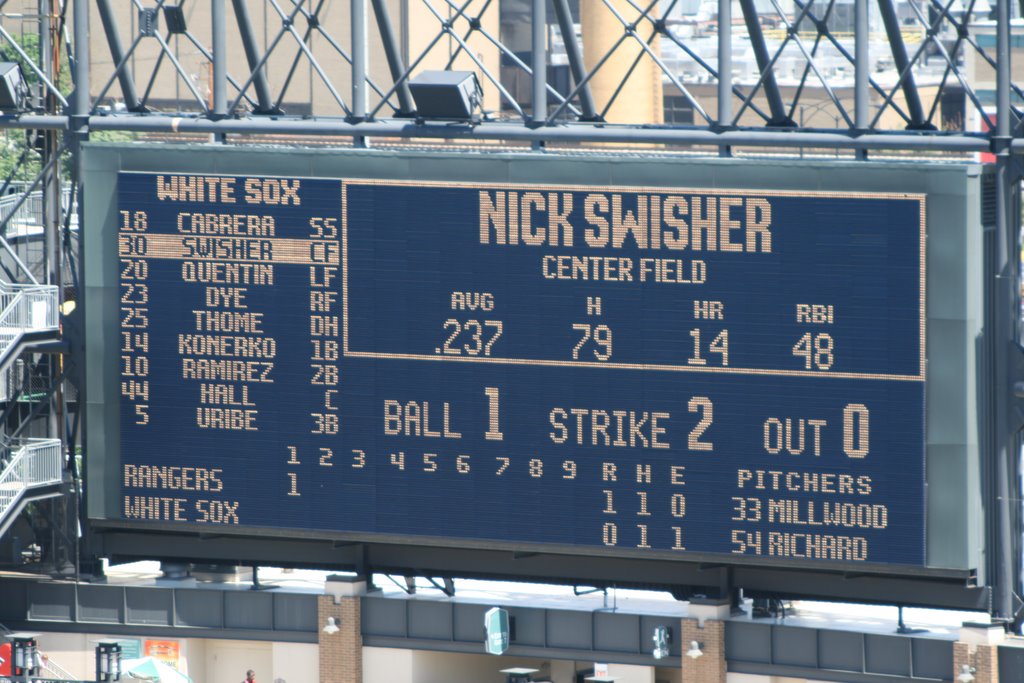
{"points": [[636, 370], [645, 368]]}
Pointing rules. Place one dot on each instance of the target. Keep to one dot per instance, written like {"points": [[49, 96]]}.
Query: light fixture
{"points": [[662, 637], [454, 95], [332, 626], [108, 660], [966, 674], [694, 652], [24, 654], [13, 91]]}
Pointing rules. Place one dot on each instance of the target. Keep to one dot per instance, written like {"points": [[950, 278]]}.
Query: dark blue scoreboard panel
{"points": [[644, 369]]}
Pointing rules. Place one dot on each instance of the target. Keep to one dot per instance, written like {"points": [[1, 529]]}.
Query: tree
{"points": [[20, 158]]}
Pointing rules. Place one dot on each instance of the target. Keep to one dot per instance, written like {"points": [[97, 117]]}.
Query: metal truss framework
{"points": [[360, 82]]}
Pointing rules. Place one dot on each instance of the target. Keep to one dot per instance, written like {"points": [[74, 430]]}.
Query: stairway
{"points": [[32, 468], [25, 310]]}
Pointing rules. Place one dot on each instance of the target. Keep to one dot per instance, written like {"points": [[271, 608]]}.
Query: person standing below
{"points": [[250, 676]]}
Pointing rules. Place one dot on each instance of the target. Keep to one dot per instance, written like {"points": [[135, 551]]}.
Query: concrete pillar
{"points": [[640, 100], [341, 653], [978, 648], [706, 625]]}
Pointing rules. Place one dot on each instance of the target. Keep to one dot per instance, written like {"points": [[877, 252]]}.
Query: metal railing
{"points": [[16, 213], [23, 309], [35, 464], [22, 215], [56, 669]]}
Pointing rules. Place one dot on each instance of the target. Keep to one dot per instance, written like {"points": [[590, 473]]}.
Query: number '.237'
{"points": [[475, 330]]}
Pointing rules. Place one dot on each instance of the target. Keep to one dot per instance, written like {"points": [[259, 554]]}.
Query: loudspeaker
{"points": [[446, 94], [13, 90]]}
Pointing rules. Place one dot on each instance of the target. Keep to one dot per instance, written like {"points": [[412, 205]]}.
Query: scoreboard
{"points": [[654, 370]]}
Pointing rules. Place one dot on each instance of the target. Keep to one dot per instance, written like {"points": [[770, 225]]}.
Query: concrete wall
{"points": [[228, 660], [382, 665], [387, 665], [294, 662], [626, 673]]}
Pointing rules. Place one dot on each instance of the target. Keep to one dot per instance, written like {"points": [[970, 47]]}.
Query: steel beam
{"points": [[903, 66], [779, 118], [1005, 283], [724, 63], [950, 589], [50, 172], [80, 98], [575, 56], [220, 59], [724, 70], [393, 54], [359, 57], [862, 66], [264, 102], [124, 74], [539, 62], [965, 144], [513, 132], [861, 69], [37, 121]]}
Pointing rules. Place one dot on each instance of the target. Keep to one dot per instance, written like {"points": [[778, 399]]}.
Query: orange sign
{"points": [[166, 651]]}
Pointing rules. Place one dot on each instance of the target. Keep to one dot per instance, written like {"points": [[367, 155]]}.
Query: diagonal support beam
{"points": [[265, 103], [124, 74], [575, 57], [903, 66], [779, 117], [406, 105]]}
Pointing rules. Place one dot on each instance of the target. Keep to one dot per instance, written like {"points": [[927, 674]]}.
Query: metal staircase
{"points": [[25, 311], [32, 468], [56, 669]]}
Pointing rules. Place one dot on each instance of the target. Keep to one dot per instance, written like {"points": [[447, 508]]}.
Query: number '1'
{"points": [[494, 424]]}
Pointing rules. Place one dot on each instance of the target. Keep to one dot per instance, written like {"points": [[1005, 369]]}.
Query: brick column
{"points": [[341, 653], [706, 625], [983, 658], [978, 648]]}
